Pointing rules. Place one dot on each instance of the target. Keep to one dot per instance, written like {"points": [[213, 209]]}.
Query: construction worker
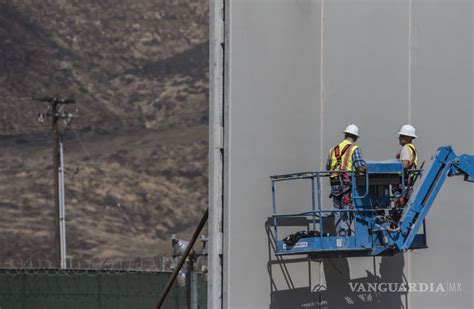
{"points": [[346, 156], [409, 158]]}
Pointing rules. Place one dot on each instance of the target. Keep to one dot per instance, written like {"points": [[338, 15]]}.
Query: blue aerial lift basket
{"points": [[372, 205]]}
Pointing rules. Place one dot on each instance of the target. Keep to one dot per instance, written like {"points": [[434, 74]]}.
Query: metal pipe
{"points": [[172, 279], [62, 209], [309, 213], [313, 203], [366, 187], [194, 290], [56, 138], [275, 227], [306, 175], [321, 229]]}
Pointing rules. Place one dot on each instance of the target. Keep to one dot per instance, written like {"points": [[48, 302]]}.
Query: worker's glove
{"points": [[346, 179], [346, 199], [397, 190], [401, 201]]}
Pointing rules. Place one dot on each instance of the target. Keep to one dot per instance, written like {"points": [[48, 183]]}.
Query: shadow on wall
{"points": [[339, 290]]}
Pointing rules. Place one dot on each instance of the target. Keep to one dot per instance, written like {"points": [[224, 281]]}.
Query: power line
{"points": [[81, 144], [16, 98], [141, 121], [174, 112], [57, 112], [117, 202], [30, 126]]}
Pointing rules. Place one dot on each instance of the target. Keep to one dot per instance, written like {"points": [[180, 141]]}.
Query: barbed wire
{"points": [[150, 264]]}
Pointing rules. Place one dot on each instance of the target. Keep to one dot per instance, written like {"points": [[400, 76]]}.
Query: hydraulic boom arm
{"points": [[444, 164]]}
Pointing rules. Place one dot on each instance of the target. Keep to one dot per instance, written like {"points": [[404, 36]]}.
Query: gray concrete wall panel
{"points": [[365, 82], [384, 63], [274, 94], [442, 107]]}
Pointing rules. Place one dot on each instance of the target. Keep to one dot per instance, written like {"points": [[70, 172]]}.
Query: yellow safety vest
{"points": [[413, 156], [341, 157]]}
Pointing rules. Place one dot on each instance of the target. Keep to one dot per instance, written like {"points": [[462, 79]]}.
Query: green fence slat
{"points": [[50, 289]]}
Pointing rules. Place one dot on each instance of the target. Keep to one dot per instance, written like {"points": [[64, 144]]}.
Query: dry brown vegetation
{"points": [[138, 70]]}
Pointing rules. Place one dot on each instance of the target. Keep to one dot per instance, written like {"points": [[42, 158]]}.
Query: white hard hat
{"points": [[352, 129], [408, 130]]}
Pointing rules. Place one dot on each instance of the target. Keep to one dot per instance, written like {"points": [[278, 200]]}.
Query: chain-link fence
{"points": [[153, 264], [88, 288]]}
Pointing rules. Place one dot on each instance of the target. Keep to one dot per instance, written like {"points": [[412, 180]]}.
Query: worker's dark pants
{"points": [[409, 192], [341, 219], [400, 204], [406, 196]]}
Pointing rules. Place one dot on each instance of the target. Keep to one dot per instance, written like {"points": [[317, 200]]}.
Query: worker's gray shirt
{"points": [[405, 153]]}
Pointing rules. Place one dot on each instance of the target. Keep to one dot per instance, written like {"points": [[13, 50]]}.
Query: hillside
{"points": [[137, 152]]}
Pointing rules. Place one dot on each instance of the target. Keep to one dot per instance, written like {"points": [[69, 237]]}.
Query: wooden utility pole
{"points": [[56, 138]]}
